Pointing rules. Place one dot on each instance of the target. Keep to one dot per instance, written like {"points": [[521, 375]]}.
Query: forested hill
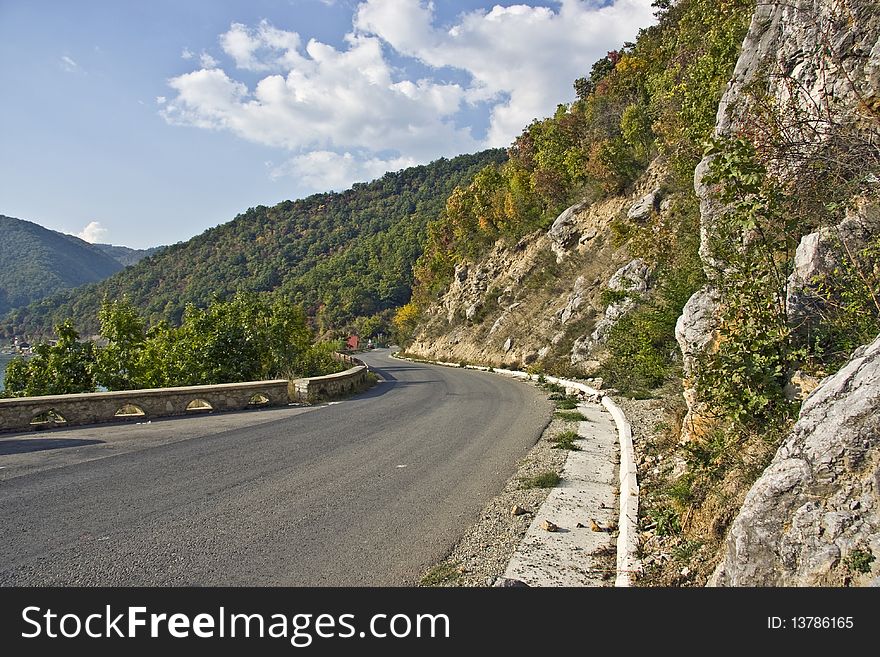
{"points": [[343, 256], [36, 262]]}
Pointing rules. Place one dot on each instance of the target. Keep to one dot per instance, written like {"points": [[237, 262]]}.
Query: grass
{"points": [[546, 479], [566, 404], [565, 440], [571, 416], [444, 573]]}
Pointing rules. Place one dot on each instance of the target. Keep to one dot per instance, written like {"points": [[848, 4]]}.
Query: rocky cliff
{"points": [[813, 517], [540, 303]]}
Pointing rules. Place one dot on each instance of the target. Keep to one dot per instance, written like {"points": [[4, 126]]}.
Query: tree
{"points": [[65, 367], [120, 365]]}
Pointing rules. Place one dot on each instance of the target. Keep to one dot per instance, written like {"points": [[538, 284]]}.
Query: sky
{"points": [[146, 122]]}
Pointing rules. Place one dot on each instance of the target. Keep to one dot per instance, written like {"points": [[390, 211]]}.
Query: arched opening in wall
{"points": [[258, 399], [48, 418], [130, 410], [199, 405]]}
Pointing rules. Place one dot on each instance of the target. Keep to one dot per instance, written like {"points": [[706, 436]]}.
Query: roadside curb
{"points": [[627, 539]]}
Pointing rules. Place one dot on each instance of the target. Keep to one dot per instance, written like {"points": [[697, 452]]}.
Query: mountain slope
{"points": [[342, 255], [36, 262], [124, 255]]}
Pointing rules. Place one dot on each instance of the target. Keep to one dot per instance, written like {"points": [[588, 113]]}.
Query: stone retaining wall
{"points": [[320, 388], [32, 413]]}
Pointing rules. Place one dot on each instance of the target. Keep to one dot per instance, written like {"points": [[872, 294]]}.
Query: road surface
{"points": [[366, 492]]}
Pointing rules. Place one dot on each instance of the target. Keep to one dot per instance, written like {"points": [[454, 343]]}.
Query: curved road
{"points": [[370, 491]]}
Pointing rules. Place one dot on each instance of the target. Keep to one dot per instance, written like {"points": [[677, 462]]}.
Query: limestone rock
{"points": [[506, 582], [575, 300], [632, 279], [695, 328], [642, 209], [517, 510], [820, 253], [797, 525], [546, 525], [564, 231]]}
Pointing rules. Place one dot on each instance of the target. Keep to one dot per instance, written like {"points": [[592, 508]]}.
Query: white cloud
{"points": [[326, 170], [264, 48], [161, 100], [187, 54], [94, 232], [332, 100], [522, 59], [207, 61], [69, 65], [346, 112]]}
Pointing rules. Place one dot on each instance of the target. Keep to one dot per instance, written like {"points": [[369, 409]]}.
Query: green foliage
{"points": [[570, 416], [565, 440], [848, 304], [66, 367], [118, 365], [567, 403], [545, 479], [610, 297], [642, 350], [744, 378], [245, 338], [859, 561], [666, 519], [340, 256]]}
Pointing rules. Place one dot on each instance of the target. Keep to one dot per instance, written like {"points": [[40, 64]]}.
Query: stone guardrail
{"points": [[32, 413], [627, 539]]}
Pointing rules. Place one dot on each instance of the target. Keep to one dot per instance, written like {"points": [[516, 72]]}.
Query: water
{"points": [[4, 360]]}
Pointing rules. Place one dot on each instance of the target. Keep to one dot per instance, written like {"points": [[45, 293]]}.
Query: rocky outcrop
{"points": [[517, 304], [631, 280], [823, 252], [813, 517], [820, 61], [564, 232], [539, 302], [642, 209]]}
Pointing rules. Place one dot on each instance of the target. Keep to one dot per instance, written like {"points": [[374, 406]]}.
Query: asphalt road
{"points": [[366, 492]]}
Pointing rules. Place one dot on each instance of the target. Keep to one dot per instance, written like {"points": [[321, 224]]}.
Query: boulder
{"points": [[817, 506]]}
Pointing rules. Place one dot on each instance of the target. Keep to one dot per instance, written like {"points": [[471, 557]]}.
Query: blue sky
{"points": [[144, 123]]}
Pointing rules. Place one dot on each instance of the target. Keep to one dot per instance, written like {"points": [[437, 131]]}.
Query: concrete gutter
{"points": [[627, 540]]}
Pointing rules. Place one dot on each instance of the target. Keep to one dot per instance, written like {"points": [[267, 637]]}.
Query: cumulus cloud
{"points": [[341, 111], [161, 100], [187, 54], [521, 59], [338, 100], [93, 233]]}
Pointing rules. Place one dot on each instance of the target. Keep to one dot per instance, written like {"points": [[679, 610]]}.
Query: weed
{"points": [[546, 479], [567, 403], [686, 550], [667, 520], [859, 561], [565, 440], [444, 573], [571, 416]]}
